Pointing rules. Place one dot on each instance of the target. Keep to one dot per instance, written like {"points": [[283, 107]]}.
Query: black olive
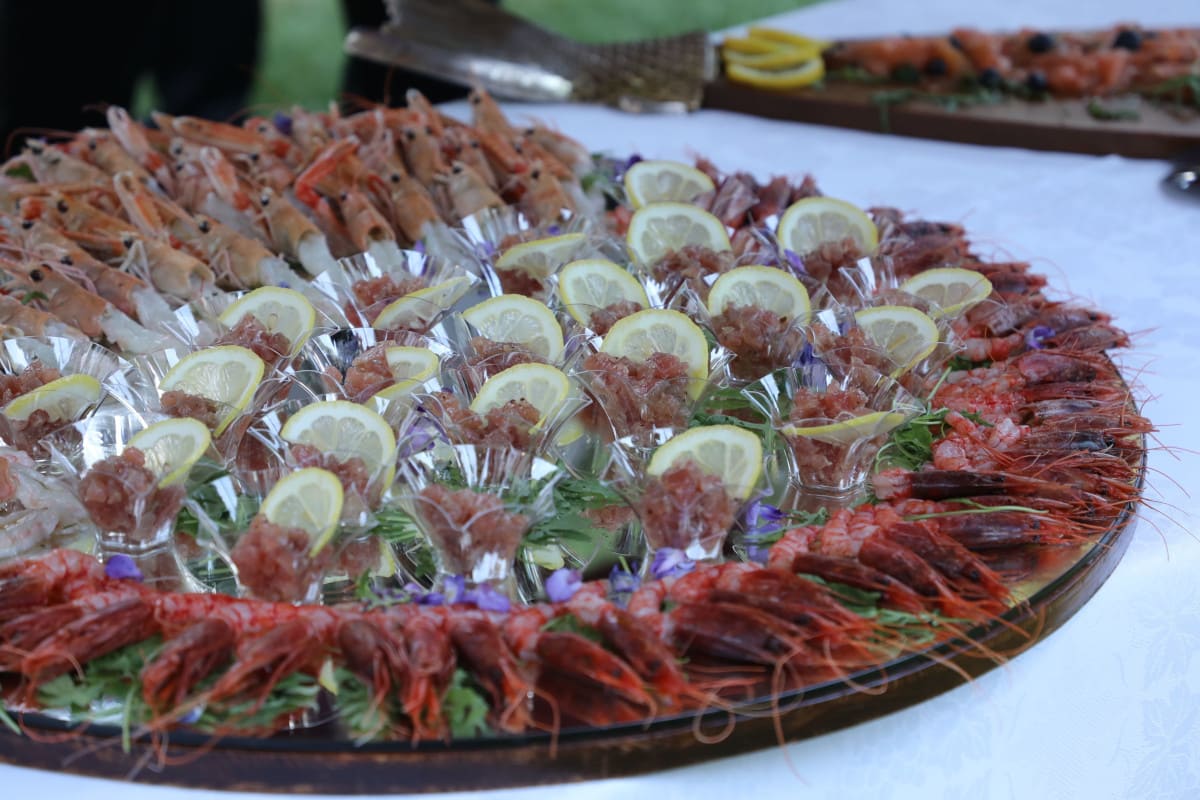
{"points": [[955, 43], [906, 73], [1036, 82], [1040, 43], [990, 78], [35, 274], [935, 67], [1128, 40]]}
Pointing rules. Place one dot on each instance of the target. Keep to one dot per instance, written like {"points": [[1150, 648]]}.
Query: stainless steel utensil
{"points": [[478, 44]]}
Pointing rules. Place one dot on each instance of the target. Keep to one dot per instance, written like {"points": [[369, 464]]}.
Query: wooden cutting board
{"points": [[1160, 131]]}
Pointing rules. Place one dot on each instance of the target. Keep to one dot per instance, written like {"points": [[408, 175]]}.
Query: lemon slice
{"points": [[517, 319], [951, 289], [593, 283], [419, 309], [309, 499], [905, 333], [541, 257], [660, 228], [283, 311], [748, 46], [766, 287], [732, 454], [640, 335], [776, 58], [228, 375], [778, 37], [542, 386], [344, 429], [62, 399], [809, 223], [412, 363], [172, 447], [664, 181], [797, 76], [848, 431]]}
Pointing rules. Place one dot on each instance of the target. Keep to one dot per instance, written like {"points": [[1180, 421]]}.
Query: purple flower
{"points": [[671, 563], [562, 584], [284, 285], [622, 584], [554, 230], [758, 554], [761, 520], [283, 123], [121, 567], [192, 716], [1037, 335], [419, 246], [622, 168], [795, 262], [487, 598]]}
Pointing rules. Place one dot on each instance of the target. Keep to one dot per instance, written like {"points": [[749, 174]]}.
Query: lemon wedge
{"points": [[594, 283], [850, 430], [791, 76], [640, 335], [309, 499], [732, 454], [344, 429], [951, 289], [519, 320], [172, 447], [62, 399], [765, 287], [664, 181], [228, 375], [283, 311], [907, 334], [418, 310], [785, 38], [660, 228], [809, 223], [541, 257]]}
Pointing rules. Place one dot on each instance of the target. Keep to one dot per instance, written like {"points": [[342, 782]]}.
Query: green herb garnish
{"points": [[21, 171], [1097, 110], [464, 707], [33, 297], [569, 623]]}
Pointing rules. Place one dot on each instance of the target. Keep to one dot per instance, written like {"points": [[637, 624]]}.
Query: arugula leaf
{"points": [[1097, 110], [9, 722], [1182, 90], [465, 708], [363, 717], [960, 363], [295, 692], [33, 297], [569, 623], [21, 171]]}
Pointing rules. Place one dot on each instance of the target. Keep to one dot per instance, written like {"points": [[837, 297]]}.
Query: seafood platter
{"points": [[1127, 89], [393, 451]]}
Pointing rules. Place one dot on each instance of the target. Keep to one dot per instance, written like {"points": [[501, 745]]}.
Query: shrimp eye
{"points": [[35, 148], [264, 200], [475, 98], [204, 226], [535, 174], [91, 144], [36, 275], [343, 196], [428, 131], [27, 224], [66, 260], [410, 134], [127, 242], [529, 131], [179, 167], [475, 144], [395, 177], [456, 169], [62, 206], [254, 158], [177, 150]]}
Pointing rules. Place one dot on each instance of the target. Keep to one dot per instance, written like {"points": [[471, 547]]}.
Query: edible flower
{"points": [[562, 584], [670, 562], [622, 583], [121, 567], [283, 123], [761, 521], [1037, 335], [486, 597], [795, 262]]}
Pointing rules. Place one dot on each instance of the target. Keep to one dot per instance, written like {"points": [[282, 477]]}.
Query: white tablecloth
{"points": [[1108, 706]]}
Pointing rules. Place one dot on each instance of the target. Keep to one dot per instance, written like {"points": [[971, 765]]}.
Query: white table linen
{"points": [[1108, 706]]}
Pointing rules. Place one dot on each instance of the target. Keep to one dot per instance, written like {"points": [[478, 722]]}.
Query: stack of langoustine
{"points": [[1031, 441]]}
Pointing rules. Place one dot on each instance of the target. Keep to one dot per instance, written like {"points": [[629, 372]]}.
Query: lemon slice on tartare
{"points": [[228, 375], [809, 223], [309, 499], [283, 311], [419, 309], [63, 399], [664, 181], [345, 429], [732, 454], [595, 283], [172, 447], [951, 289], [765, 287], [541, 257], [908, 335], [661, 228], [517, 319], [848, 431]]}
